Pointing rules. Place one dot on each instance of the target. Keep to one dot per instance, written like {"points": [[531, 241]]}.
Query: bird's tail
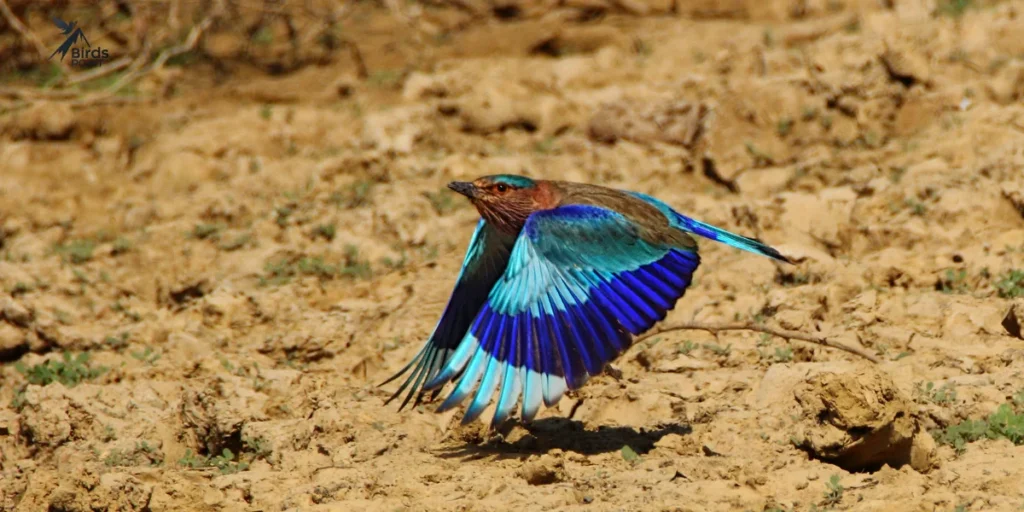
{"points": [[720, 235]]}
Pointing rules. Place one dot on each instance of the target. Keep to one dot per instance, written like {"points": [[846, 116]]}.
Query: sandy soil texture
{"points": [[201, 287]]}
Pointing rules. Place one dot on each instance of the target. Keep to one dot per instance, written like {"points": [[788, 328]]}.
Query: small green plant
{"points": [[953, 8], [384, 78], [687, 347], [1011, 284], [395, 264], [916, 207], [266, 112], [545, 146], [944, 395], [119, 342], [237, 242], [258, 447], [954, 281], [69, 370], [76, 251], [205, 231], [717, 349], [1004, 423], [147, 355], [629, 454], [355, 266], [282, 214], [833, 491], [760, 158], [193, 461], [227, 464], [142, 454], [121, 246], [316, 266], [326, 231], [783, 355], [20, 288], [355, 195], [784, 126], [264, 36]]}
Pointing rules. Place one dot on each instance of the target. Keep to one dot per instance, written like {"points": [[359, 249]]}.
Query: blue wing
{"points": [[485, 261], [581, 281], [713, 232]]}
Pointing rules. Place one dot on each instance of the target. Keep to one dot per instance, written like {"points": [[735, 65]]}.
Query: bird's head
{"points": [[505, 200]]}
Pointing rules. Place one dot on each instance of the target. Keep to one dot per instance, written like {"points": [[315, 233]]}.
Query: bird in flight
{"points": [[72, 32], [557, 280]]}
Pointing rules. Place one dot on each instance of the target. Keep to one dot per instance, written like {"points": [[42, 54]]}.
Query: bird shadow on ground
{"points": [[544, 435]]}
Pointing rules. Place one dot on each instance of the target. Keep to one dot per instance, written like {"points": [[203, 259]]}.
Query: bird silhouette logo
{"points": [[73, 34]]}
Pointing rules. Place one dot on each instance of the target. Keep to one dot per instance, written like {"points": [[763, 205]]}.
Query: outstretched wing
{"points": [[581, 281], [61, 24], [485, 261]]}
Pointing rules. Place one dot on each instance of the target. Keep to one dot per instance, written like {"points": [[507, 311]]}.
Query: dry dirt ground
{"points": [[243, 259]]}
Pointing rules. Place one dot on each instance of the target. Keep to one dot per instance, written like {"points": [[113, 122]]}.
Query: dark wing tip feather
{"points": [[773, 253]]}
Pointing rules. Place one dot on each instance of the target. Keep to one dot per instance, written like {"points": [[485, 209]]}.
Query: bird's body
{"points": [[557, 280]]}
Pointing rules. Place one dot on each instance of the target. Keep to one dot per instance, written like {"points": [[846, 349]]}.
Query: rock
{"points": [[45, 120], [673, 122], [1015, 194], [48, 418], [857, 420], [906, 67], [395, 130], [15, 313], [124, 492], [13, 341], [922, 453], [1013, 322], [973, 317], [542, 471], [1008, 85]]}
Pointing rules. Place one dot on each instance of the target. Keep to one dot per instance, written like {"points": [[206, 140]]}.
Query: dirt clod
{"points": [[857, 420]]}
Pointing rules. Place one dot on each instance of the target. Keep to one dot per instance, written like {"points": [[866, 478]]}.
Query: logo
{"points": [[79, 56]]}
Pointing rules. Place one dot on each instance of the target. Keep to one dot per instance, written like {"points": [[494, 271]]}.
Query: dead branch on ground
{"points": [[781, 333]]}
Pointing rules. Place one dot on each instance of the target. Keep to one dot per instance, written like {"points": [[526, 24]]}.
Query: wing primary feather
{"points": [[415, 361], [609, 301], [578, 324], [645, 275], [509, 391], [470, 376], [470, 343], [632, 300], [531, 370]]}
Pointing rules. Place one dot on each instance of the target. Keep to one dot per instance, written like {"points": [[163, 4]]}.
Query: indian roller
{"points": [[558, 279]]}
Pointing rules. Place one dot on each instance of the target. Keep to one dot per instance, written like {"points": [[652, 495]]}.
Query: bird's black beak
{"points": [[463, 187]]}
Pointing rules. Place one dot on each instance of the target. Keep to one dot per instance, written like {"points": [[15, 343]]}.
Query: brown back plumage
{"points": [[654, 226]]}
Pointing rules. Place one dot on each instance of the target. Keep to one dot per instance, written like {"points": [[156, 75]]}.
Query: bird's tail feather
{"points": [[732, 239]]}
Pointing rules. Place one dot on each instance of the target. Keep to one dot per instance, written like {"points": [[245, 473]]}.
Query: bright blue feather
{"points": [[485, 261], [580, 281]]}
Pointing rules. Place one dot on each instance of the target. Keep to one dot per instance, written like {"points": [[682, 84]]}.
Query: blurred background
{"points": [[227, 225]]}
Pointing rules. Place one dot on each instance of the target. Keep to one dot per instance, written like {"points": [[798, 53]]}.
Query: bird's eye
{"points": [[501, 187]]}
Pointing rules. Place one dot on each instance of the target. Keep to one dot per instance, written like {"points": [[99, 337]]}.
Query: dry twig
{"points": [[99, 71], [782, 333], [188, 45], [22, 29]]}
